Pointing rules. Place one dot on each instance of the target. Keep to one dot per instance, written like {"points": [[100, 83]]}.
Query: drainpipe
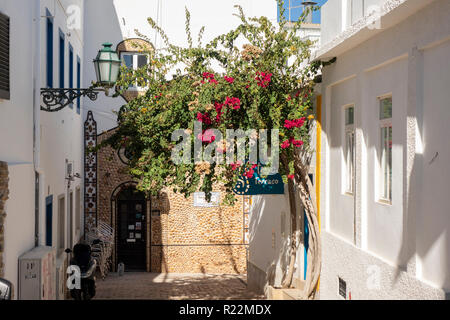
{"points": [[36, 108]]}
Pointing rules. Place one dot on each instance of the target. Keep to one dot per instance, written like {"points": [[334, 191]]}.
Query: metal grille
{"points": [[4, 57]]}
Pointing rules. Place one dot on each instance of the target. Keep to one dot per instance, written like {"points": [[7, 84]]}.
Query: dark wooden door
{"points": [[131, 244]]}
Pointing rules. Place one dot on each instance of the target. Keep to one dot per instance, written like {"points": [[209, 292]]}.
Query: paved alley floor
{"points": [[174, 286]]}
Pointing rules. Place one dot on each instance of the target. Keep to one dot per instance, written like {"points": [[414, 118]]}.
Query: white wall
{"points": [[16, 132], [19, 224], [408, 240]]}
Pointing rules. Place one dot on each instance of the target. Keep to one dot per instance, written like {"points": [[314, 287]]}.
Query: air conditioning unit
{"points": [[37, 274]]}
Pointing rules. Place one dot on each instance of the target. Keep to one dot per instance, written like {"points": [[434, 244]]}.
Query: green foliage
{"points": [[270, 75]]}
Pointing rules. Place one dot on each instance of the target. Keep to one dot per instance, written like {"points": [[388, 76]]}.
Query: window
{"points": [[386, 148], [294, 9], [61, 225], [49, 50], [134, 61], [70, 69], [349, 149], [4, 57], [78, 83], [61, 58]]}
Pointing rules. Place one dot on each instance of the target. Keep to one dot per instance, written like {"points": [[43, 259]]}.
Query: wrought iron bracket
{"points": [[57, 99]]}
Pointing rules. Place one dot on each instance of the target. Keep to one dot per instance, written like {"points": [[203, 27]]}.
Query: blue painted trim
{"points": [[49, 49], [71, 62], [48, 220], [62, 52], [78, 83]]}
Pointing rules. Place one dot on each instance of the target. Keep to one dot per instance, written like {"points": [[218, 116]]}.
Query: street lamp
{"points": [[107, 66]]}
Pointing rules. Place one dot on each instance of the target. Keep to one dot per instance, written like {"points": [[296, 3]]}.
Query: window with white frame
{"points": [[385, 148], [349, 150], [134, 61]]}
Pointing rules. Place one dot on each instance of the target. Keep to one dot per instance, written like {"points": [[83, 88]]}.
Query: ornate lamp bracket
{"points": [[56, 99]]}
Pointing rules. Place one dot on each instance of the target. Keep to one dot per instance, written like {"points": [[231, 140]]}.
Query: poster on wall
{"points": [[138, 226], [200, 199]]}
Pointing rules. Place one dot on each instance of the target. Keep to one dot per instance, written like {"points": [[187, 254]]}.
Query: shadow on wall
{"points": [[270, 238]]}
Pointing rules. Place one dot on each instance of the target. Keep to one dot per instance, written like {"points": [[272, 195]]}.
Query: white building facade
{"points": [[384, 191], [38, 147]]}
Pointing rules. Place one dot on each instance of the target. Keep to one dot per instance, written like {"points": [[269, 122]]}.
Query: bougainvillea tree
{"points": [[255, 77]]}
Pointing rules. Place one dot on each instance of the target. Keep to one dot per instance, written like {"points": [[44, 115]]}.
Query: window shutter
{"points": [[4, 57]]}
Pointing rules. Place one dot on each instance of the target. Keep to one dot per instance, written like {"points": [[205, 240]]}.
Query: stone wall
{"points": [[181, 238], [4, 191]]}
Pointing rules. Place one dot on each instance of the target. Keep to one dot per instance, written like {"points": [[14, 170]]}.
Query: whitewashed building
{"points": [[384, 160], [43, 209]]}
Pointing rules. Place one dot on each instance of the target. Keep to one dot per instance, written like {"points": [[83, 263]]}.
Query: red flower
{"points": [[204, 118], [207, 75], [249, 174], [229, 79], [213, 81], [234, 166], [297, 123], [291, 177], [263, 79], [297, 143], [233, 102], [218, 107], [286, 144]]}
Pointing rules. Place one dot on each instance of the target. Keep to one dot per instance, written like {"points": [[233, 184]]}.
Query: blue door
{"points": [[48, 220]]}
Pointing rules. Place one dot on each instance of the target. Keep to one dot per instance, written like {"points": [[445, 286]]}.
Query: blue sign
{"points": [[258, 184]]}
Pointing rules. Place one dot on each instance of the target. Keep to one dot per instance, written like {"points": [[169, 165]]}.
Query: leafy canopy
{"points": [[266, 83]]}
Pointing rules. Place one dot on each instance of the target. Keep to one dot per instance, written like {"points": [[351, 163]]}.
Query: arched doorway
{"points": [[131, 229]]}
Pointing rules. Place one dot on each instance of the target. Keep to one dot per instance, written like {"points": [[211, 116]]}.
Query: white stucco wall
{"points": [[408, 240], [19, 223], [61, 133], [16, 142]]}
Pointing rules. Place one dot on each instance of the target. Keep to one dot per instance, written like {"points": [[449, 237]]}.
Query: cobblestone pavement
{"points": [[174, 286]]}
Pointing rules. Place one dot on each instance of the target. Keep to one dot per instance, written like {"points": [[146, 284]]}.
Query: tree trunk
{"points": [[307, 196]]}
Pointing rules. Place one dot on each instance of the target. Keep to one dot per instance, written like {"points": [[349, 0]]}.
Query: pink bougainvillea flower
{"points": [[207, 75], [297, 143], [204, 118], [263, 79], [207, 136], [249, 174], [233, 102], [213, 81], [286, 144], [297, 123], [235, 165], [254, 166], [229, 79], [218, 107]]}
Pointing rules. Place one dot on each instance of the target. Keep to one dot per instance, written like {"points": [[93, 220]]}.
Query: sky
{"points": [[295, 13]]}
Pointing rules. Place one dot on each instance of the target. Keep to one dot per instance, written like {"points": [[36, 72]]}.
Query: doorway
{"points": [[131, 229]]}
